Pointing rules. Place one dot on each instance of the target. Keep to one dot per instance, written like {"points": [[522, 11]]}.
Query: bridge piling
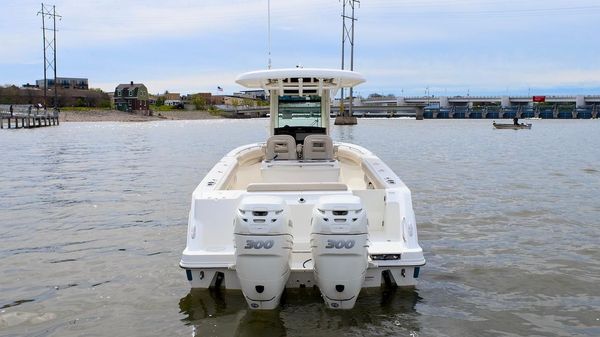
{"points": [[419, 112]]}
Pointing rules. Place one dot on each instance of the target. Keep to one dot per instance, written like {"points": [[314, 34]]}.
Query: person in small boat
{"points": [[515, 121]]}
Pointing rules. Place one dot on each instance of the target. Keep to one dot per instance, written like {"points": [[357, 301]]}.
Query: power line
{"points": [[49, 47], [348, 34]]}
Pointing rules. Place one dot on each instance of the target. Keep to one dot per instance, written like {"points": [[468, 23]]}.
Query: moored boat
{"points": [[300, 210], [511, 126]]}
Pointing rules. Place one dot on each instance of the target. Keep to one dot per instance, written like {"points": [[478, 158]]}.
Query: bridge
{"points": [[472, 101], [492, 107], [558, 107]]}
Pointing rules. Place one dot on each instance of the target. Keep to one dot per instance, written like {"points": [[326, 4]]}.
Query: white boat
{"points": [[300, 210]]}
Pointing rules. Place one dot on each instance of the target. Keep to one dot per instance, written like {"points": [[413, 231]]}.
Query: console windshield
{"points": [[299, 111]]}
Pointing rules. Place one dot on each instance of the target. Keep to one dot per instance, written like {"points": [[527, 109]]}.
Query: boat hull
{"points": [[511, 126], [375, 277]]}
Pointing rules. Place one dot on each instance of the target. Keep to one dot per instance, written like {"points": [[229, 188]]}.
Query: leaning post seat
{"points": [[281, 147], [317, 147]]}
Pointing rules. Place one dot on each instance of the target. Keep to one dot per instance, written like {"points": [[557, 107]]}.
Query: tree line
{"points": [[12, 94]]}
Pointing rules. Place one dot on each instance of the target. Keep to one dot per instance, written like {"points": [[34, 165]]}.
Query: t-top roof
{"points": [[300, 79]]}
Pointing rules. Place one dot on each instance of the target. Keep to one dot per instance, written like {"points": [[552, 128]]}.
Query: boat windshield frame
{"points": [[296, 110]]}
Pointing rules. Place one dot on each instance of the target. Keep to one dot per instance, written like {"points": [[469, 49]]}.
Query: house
{"points": [[131, 97], [172, 99]]}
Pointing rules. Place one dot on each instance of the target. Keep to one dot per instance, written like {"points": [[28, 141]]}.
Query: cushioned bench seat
{"points": [[290, 187]]}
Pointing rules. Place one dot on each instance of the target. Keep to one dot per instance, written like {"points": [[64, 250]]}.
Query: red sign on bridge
{"points": [[539, 99]]}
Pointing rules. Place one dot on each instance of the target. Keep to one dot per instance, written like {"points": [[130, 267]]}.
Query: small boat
{"points": [[300, 210], [511, 126]]}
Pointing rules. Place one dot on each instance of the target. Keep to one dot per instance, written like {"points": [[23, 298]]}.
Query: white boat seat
{"points": [[317, 147], [300, 171], [289, 187], [281, 147]]}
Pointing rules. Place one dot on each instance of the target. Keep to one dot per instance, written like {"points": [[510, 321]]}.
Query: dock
{"points": [[19, 119]]}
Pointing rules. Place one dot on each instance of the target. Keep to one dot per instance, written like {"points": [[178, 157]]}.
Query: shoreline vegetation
{"points": [[107, 115]]}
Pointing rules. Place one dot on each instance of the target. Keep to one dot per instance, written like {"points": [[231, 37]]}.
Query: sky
{"points": [[408, 48]]}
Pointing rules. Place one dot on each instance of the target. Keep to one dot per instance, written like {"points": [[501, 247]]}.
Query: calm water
{"points": [[93, 221]]}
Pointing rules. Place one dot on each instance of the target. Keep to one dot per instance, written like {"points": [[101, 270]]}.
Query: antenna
{"points": [[348, 34], [49, 45], [269, 28]]}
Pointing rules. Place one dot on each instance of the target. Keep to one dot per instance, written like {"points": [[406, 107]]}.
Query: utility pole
{"points": [[49, 47], [348, 34]]}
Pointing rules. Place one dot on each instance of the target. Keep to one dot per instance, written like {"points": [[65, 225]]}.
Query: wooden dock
{"points": [[20, 120]]}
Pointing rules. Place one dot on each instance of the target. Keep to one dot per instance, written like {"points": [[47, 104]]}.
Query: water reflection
{"points": [[261, 323], [343, 133], [225, 313], [377, 311], [199, 304]]}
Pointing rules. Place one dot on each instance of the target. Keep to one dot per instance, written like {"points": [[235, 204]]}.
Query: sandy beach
{"points": [[120, 116]]}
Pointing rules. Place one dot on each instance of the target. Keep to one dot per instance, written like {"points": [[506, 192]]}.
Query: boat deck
{"points": [[350, 174]]}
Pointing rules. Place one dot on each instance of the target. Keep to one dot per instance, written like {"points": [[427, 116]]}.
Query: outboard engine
{"points": [[263, 244], [339, 241]]}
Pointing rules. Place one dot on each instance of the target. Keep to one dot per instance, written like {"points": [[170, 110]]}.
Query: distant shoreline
{"points": [[120, 116]]}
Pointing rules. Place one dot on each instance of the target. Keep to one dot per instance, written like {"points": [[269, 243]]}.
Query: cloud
{"points": [[122, 21], [204, 81], [481, 78], [191, 46]]}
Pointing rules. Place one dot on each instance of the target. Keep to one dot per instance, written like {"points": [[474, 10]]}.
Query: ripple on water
{"points": [[12, 319], [93, 228]]}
